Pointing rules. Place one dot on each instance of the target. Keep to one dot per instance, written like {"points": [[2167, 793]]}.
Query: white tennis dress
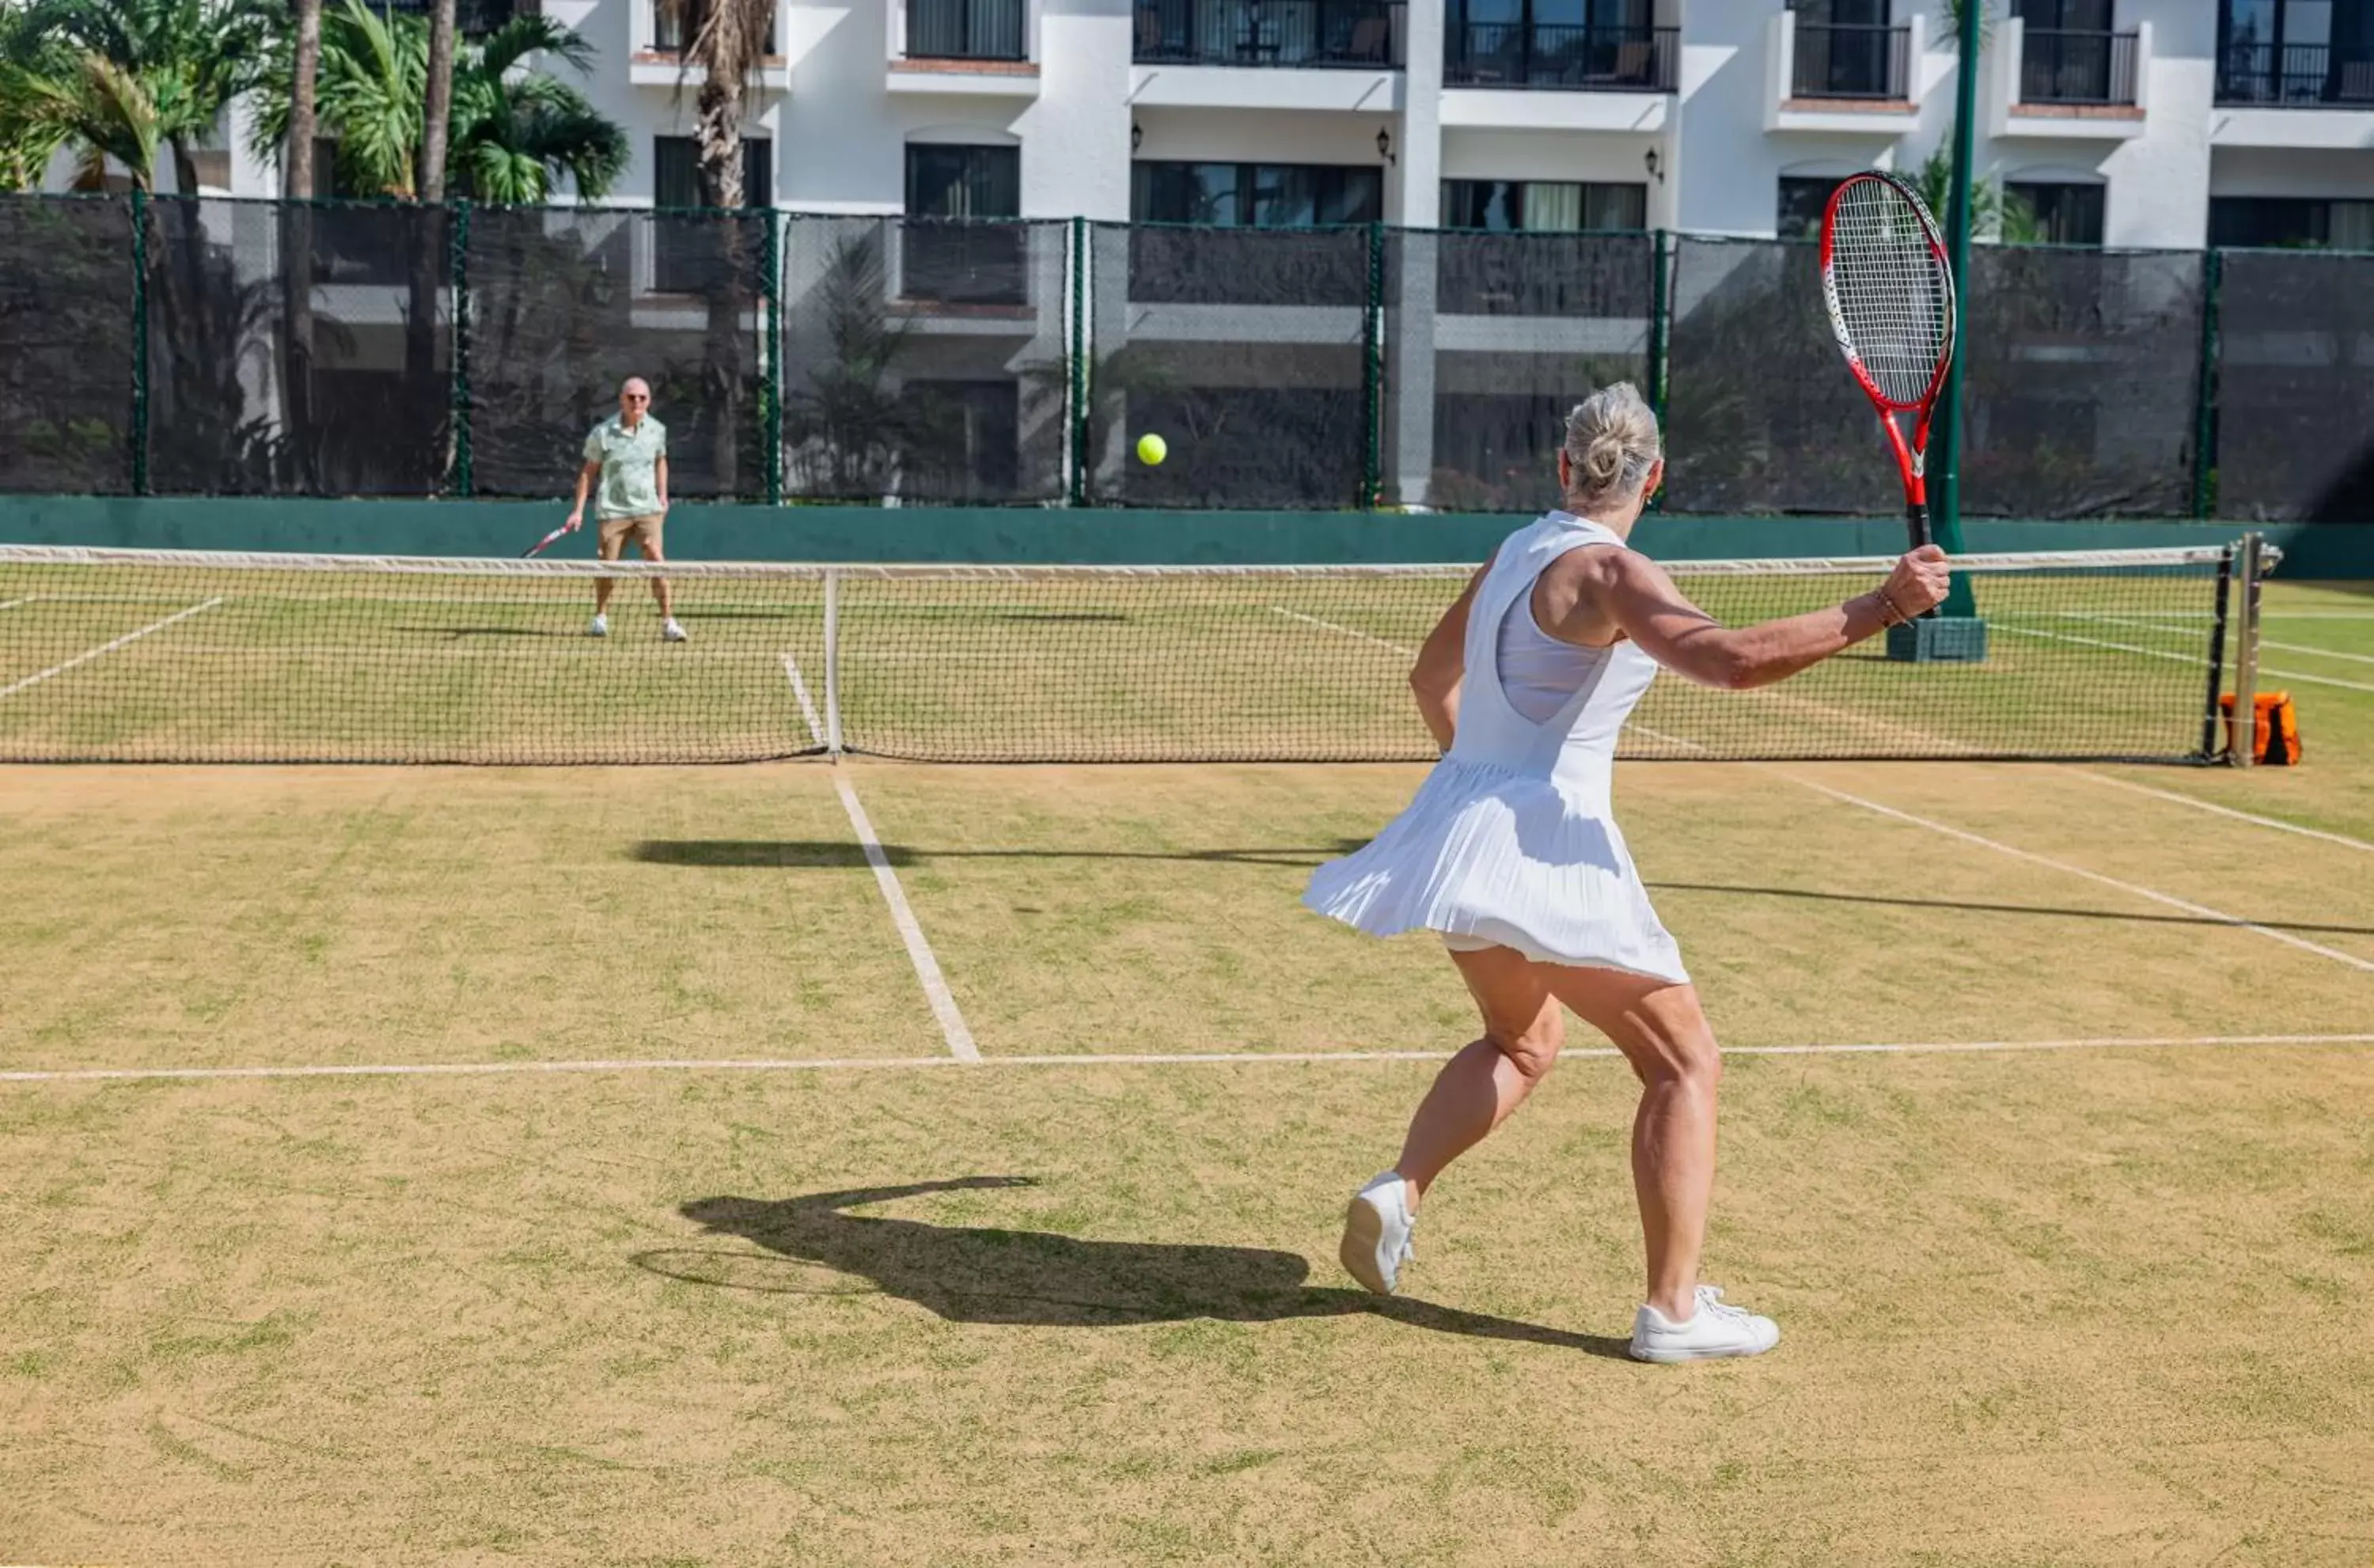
{"points": [[1512, 840]]}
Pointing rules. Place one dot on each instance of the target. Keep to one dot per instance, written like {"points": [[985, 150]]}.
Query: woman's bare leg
{"points": [[1663, 1034], [1477, 1089]]}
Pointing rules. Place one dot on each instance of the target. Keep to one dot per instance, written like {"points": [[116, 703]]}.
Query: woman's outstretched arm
{"points": [[1635, 594]]}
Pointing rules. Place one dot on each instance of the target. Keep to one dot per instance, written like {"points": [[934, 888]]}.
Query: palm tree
{"points": [[512, 137], [439, 109]]}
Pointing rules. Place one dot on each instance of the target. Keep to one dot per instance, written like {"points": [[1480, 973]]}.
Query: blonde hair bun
{"points": [[1610, 443]]}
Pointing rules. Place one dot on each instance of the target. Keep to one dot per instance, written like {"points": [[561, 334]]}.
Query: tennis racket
{"points": [[547, 539], [1890, 293]]}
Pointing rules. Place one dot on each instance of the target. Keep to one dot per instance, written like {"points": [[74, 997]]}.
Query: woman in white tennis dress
{"points": [[1511, 852]]}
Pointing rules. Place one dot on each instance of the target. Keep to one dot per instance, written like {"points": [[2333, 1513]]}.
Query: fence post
{"points": [[1372, 373], [461, 482], [1658, 306], [139, 341], [2205, 419], [771, 357], [1076, 384]]}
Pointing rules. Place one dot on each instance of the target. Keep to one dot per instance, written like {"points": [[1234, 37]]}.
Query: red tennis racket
{"points": [[1890, 293], [547, 539]]}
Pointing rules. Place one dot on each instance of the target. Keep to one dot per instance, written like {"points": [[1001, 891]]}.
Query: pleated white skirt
{"points": [[1484, 851]]}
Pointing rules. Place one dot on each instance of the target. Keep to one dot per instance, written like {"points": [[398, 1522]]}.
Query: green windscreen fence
{"points": [[1489, 340], [926, 360], [1248, 350], [67, 281], [164, 346], [2296, 386]]}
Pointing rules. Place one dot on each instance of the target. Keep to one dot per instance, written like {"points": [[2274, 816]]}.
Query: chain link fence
{"points": [[217, 346]]}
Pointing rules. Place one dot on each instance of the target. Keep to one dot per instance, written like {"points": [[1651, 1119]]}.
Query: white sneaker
{"points": [[600, 626], [1377, 1234], [1713, 1330], [671, 632]]}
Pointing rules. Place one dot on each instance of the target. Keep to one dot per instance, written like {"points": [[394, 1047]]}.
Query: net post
{"points": [[139, 341], [832, 662], [1959, 601], [2246, 655], [2204, 417], [460, 481], [1076, 385], [1659, 308], [1372, 373], [2209, 713], [770, 356]]}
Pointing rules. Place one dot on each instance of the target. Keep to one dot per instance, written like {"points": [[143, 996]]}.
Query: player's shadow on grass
{"points": [[988, 1274], [802, 854]]}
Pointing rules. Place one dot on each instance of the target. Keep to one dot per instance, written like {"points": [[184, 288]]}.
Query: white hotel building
{"points": [[2128, 122]]}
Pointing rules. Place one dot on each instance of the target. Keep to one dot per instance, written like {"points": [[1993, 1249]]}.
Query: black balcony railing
{"points": [[1321, 33], [1604, 59], [1851, 60], [2059, 65], [965, 29], [2296, 75], [472, 18]]}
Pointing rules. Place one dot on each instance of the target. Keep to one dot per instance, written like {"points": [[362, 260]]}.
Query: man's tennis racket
{"points": [[1890, 293], [547, 539]]}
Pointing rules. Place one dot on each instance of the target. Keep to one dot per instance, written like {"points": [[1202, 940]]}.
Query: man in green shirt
{"points": [[626, 457]]}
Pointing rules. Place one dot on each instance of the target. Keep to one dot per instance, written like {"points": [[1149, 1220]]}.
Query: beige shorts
{"points": [[618, 532]]}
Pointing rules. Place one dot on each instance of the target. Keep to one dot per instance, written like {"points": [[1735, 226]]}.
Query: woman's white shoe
{"points": [[1377, 1234], [1711, 1331]]}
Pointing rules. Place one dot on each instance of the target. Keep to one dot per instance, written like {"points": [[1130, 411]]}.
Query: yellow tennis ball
{"points": [[1152, 449]]}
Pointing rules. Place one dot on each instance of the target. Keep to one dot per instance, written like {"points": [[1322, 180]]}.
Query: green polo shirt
{"points": [[629, 460]]}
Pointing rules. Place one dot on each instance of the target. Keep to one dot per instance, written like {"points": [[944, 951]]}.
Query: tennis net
{"points": [[189, 656]]}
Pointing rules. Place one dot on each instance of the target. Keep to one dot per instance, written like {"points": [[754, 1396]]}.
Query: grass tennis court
{"points": [[2092, 1303]]}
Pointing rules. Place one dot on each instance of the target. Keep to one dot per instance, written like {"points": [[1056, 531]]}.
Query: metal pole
{"points": [[458, 266], [1076, 385], [2204, 424], [1659, 307], [771, 357], [139, 341], [1946, 518], [2211, 714], [2246, 657], [1372, 369], [832, 662]]}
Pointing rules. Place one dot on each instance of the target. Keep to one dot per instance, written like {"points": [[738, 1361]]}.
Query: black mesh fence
{"points": [[926, 360], [1247, 351], [65, 345], [1490, 338], [2296, 386], [1760, 414], [566, 305], [2081, 382], [297, 349]]}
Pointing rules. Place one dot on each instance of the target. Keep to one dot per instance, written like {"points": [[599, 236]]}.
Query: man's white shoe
{"points": [[1711, 1331], [600, 626], [671, 632], [1377, 1234]]}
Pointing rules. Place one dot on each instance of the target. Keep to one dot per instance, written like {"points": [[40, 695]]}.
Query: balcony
{"points": [[664, 31], [1843, 77], [2063, 84], [1579, 59], [1303, 34], [2295, 75], [472, 18], [974, 47], [958, 266]]}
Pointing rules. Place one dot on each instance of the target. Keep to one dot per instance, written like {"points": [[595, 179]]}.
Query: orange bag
{"points": [[2274, 728]]}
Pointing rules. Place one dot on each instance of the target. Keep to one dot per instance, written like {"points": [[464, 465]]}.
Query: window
{"points": [[1802, 202], [1256, 195], [1544, 206], [2303, 51], [2288, 221], [945, 260], [686, 254], [673, 26], [2065, 214], [2065, 16]]}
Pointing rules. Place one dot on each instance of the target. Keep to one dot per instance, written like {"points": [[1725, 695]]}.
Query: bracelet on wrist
{"points": [[1890, 614]]}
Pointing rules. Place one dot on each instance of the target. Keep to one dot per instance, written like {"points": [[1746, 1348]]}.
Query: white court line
{"points": [[12, 603], [2136, 889], [807, 704], [2343, 839], [1150, 1058], [2193, 631], [919, 950], [1347, 631], [86, 656], [2185, 658]]}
